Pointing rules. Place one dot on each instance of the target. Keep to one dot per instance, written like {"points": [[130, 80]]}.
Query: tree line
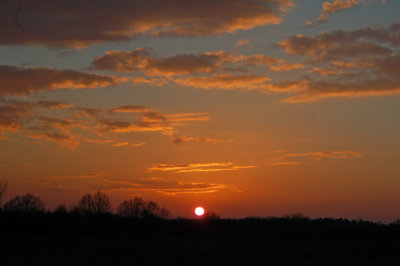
{"points": [[89, 204]]}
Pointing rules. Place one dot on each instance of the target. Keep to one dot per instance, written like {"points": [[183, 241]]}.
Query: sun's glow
{"points": [[199, 211]]}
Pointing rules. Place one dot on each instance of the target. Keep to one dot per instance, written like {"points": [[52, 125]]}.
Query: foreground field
{"points": [[49, 239]]}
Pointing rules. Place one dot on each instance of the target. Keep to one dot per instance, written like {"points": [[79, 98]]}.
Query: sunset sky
{"points": [[245, 107]]}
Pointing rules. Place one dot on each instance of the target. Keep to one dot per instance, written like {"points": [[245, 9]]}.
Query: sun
{"points": [[199, 211]]}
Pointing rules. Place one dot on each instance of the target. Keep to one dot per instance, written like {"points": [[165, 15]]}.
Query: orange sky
{"points": [[246, 107]]}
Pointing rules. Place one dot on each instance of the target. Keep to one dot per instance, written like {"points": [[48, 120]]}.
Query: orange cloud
{"points": [[243, 42], [40, 21], [158, 185], [288, 159], [344, 154], [99, 141], [323, 72], [89, 175], [62, 126], [329, 8], [198, 167], [143, 60], [225, 82], [54, 105], [184, 139], [283, 163], [131, 109], [139, 144], [121, 144], [60, 138], [22, 81]]}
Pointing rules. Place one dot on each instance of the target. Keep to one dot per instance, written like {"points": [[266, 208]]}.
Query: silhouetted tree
{"points": [[297, 216], [3, 190], [131, 209], [96, 204], [153, 210], [138, 208], [61, 209], [27, 203], [210, 215]]}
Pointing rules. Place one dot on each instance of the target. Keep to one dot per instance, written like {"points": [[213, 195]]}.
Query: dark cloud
{"points": [[361, 62], [22, 81], [78, 23]]}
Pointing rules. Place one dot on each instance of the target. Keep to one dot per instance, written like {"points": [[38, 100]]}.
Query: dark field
{"points": [[167, 250], [49, 239]]}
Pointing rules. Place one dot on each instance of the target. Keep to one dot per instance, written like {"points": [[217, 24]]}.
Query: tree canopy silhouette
{"points": [[138, 208], [27, 203], [3, 190], [96, 204]]}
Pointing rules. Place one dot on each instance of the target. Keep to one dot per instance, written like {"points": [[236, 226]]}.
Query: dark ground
{"points": [[49, 239]]}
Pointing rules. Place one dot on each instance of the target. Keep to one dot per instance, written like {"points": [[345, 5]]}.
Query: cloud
{"points": [[329, 8], [283, 163], [99, 141], [207, 70], [294, 158], [244, 42], [121, 144], [60, 138], [43, 120], [89, 22], [116, 144], [343, 154], [226, 82], [138, 144], [152, 121], [12, 116], [341, 44], [54, 105], [185, 139], [198, 167], [360, 62], [131, 109], [23, 81], [160, 186], [144, 60], [88, 175]]}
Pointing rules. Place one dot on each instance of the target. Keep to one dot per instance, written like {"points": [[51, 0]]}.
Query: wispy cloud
{"points": [[138, 144], [198, 167], [121, 144], [184, 139], [164, 187], [294, 158], [330, 8], [60, 138], [277, 163], [244, 42], [89, 175]]}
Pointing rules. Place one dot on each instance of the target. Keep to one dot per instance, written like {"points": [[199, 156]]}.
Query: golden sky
{"points": [[246, 107]]}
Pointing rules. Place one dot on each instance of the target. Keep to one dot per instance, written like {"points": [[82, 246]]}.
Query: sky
{"points": [[245, 107]]}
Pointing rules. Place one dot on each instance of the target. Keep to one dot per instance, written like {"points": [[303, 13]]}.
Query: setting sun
{"points": [[199, 211]]}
